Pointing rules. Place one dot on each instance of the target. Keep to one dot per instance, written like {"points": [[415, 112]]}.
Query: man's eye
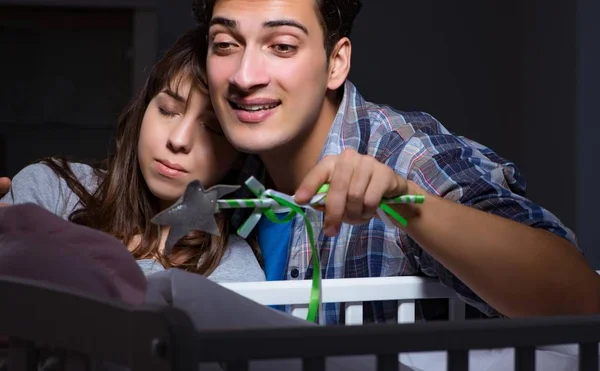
{"points": [[284, 48], [222, 46]]}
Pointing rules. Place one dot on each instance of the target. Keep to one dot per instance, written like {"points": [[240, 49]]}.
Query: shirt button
{"points": [[294, 273]]}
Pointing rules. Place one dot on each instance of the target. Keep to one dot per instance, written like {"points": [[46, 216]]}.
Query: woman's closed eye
{"points": [[165, 112]]}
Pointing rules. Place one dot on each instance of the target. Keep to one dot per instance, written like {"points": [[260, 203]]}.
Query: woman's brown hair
{"points": [[122, 205]]}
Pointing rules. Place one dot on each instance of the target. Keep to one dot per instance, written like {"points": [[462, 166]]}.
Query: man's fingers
{"points": [[373, 196], [318, 176], [337, 196], [361, 177]]}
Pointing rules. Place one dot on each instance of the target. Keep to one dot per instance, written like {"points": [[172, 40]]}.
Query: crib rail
{"points": [[314, 344], [353, 292]]}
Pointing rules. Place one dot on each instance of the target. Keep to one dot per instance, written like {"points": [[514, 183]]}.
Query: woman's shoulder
{"points": [[239, 264], [86, 175], [41, 173], [35, 183], [38, 183]]}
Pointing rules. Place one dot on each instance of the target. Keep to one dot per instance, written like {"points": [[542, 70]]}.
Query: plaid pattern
{"points": [[419, 148]]}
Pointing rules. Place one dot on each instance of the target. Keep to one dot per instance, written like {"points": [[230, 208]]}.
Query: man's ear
{"points": [[339, 63]]}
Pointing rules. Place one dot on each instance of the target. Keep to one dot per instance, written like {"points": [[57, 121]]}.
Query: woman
{"points": [[166, 137]]}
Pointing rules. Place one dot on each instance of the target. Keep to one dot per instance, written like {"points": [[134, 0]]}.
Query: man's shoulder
{"points": [[400, 138], [407, 134], [405, 123], [379, 120]]}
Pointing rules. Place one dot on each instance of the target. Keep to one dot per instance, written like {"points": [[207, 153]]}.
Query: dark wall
{"points": [[451, 59], [588, 128], [175, 17], [501, 73], [66, 75]]}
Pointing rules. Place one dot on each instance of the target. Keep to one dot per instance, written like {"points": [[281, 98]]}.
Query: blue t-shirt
{"points": [[273, 240]]}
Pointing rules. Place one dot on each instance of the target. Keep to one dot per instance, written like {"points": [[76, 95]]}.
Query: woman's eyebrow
{"points": [[174, 95]]}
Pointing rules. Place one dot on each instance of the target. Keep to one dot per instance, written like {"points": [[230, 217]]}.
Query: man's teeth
{"points": [[253, 108]]}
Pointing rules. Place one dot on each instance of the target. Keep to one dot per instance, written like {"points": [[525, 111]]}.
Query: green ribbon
{"points": [[315, 293]]}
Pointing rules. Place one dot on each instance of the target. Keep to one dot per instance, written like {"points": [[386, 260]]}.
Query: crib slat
{"points": [[22, 355], [387, 362], [406, 311], [313, 364], [300, 311], [354, 313], [525, 359], [456, 309], [588, 357], [236, 366], [458, 360]]}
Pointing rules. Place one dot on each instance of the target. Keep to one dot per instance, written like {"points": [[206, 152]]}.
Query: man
{"points": [[277, 72]]}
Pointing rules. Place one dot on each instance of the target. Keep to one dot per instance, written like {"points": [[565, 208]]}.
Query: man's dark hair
{"points": [[336, 17]]}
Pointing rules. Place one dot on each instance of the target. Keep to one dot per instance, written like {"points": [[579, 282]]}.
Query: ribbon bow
{"points": [[269, 202], [196, 208]]}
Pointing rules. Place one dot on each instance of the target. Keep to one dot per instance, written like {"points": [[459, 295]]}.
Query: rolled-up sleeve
{"points": [[470, 174]]}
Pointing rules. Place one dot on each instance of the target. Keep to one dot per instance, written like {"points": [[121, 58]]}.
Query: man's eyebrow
{"points": [[233, 24], [174, 95], [286, 22], [229, 23]]}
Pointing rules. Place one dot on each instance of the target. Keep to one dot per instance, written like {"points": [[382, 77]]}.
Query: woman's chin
{"points": [[165, 197]]}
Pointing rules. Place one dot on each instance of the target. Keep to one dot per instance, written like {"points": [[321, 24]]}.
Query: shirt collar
{"points": [[351, 116]]}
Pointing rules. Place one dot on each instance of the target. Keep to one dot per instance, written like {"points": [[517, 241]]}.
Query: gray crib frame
{"points": [[162, 338]]}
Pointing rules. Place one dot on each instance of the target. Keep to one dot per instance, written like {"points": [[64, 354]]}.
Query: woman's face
{"points": [[180, 141]]}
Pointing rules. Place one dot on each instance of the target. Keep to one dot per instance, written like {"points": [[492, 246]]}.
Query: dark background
{"points": [[519, 76]]}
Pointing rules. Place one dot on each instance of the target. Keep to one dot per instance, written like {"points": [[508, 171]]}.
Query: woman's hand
{"points": [[5, 184]]}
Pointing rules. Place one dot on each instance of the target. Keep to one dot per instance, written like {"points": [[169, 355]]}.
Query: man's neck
{"points": [[288, 166]]}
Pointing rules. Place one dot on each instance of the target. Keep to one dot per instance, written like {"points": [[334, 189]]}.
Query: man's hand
{"points": [[357, 183]]}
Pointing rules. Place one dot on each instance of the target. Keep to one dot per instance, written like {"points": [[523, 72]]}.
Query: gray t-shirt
{"points": [[40, 185]]}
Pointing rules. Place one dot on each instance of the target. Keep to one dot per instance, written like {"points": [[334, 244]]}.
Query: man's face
{"points": [[267, 71]]}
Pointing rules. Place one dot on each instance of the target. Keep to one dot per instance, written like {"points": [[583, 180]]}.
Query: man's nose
{"points": [[251, 72]]}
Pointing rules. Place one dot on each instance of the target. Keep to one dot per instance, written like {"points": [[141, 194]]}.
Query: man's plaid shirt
{"points": [[418, 148]]}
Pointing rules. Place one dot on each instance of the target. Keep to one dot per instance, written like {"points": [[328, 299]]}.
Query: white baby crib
{"points": [[352, 292]]}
